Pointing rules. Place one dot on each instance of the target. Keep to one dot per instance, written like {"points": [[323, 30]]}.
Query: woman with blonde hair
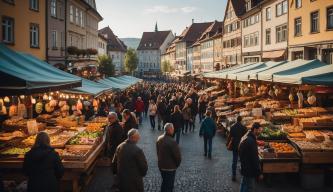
{"points": [[43, 166]]}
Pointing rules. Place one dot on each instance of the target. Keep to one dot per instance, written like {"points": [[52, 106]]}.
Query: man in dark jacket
{"points": [[115, 134], [161, 112], [177, 121], [248, 153], [130, 122], [169, 157], [237, 131], [129, 164], [43, 166], [207, 130]]}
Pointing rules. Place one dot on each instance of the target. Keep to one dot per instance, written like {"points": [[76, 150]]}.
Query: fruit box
{"points": [[286, 154]]}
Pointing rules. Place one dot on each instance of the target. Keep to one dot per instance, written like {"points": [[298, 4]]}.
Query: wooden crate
{"points": [[280, 167], [317, 157]]}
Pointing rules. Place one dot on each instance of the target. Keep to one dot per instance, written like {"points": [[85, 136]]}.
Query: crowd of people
{"points": [[172, 107]]}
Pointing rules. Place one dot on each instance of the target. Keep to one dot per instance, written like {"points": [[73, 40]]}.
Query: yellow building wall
{"points": [[23, 16], [304, 12]]}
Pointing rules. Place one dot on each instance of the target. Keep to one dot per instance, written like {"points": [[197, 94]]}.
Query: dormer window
{"points": [[248, 5]]}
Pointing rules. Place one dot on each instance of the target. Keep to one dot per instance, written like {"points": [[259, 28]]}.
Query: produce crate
{"points": [[280, 167], [87, 148], [286, 154]]}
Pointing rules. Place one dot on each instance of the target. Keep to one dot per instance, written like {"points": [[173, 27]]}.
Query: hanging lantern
{"points": [[50, 98], [6, 99], [22, 96], [312, 99], [33, 101], [45, 97], [291, 97], [300, 99]]}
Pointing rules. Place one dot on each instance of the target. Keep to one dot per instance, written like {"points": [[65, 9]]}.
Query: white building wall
{"points": [[272, 24], [207, 55]]}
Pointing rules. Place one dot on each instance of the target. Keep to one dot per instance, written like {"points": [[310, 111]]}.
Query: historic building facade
{"points": [[23, 26], [151, 47], [311, 30]]}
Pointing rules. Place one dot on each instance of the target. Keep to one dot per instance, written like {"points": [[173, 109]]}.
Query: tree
{"points": [[131, 60], [105, 65], [166, 67]]}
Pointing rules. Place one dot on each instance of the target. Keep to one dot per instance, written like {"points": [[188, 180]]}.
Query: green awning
{"points": [[317, 71], [323, 79], [112, 84], [291, 67], [222, 73], [90, 88], [246, 75], [24, 74]]}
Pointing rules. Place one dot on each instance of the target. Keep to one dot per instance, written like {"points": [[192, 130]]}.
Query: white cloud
{"points": [[188, 9], [167, 9], [161, 9]]}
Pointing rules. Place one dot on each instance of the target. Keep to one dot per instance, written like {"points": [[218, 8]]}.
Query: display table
{"points": [[77, 173], [279, 165]]}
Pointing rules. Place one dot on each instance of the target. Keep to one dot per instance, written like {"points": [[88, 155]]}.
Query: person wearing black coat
{"points": [[115, 134], [177, 121], [161, 112], [42, 166], [130, 122], [248, 153], [237, 131]]}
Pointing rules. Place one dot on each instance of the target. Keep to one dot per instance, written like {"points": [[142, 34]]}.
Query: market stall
{"points": [[285, 98]]}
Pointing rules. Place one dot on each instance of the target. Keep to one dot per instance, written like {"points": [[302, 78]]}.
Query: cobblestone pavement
{"points": [[196, 173]]}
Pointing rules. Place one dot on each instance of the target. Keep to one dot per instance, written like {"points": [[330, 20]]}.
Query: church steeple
{"points": [[156, 28]]}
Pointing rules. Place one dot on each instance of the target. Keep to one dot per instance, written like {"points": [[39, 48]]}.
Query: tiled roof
{"points": [[214, 29], [152, 40], [239, 7], [191, 34], [114, 43]]}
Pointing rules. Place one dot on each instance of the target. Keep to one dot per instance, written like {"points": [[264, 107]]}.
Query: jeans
{"points": [[177, 134], [139, 115], [234, 161], [186, 125], [168, 179], [208, 141], [159, 121], [201, 116], [152, 121], [247, 184]]}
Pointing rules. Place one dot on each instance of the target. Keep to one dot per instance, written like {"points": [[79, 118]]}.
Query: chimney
{"points": [[192, 21], [175, 34]]}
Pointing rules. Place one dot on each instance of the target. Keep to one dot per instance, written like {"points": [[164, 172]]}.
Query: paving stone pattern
{"points": [[196, 173]]}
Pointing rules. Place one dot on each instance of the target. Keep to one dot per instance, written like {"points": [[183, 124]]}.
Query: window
{"points": [[33, 5], [330, 18], [53, 8], [7, 30], [71, 13], [10, 1], [248, 5], [268, 37], [281, 33], [281, 8], [34, 35], [246, 41], [314, 22], [81, 17], [268, 14], [298, 26], [77, 19], [62, 41], [54, 39], [298, 4]]}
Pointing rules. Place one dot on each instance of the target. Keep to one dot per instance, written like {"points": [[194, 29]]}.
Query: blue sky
{"points": [[129, 18]]}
